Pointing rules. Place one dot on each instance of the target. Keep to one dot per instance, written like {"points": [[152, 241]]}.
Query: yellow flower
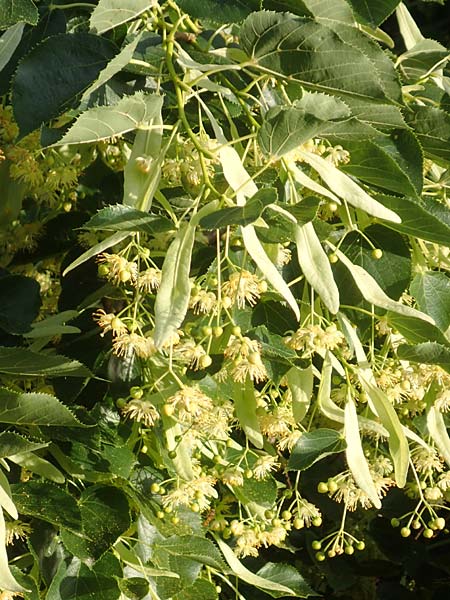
{"points": [[141, 410], [242, 287], [109, 322], [127, 343], [149, 280]]}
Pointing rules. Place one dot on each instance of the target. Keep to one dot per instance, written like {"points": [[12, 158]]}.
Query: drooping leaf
{"points": [[346, 188], [430, 353], [25, 363], [315, 266], [35, 408], [245, 406], [431, 290], [104, 122], [143, 169], [354, 453], [40, 466], [112, 240], [111, 13], [13, 193], [424, 56], [9, 42], [120, 217], [373, 13], [398, 444], [300, 384], [16, 11], [6, 500], [288, 576], [48, 502], [373, 293], [243, 573], [51, 76], [314, 55], [438, 431], [7, 580], [427, 219], [173, 294], [20, 301], [314, 446]]}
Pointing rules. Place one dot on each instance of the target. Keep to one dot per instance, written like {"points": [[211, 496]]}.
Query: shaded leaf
{"points": [[427, 219], [373, 13], [195, 548], [51, 76], [313, 446], [47, 502], [25, 363], [288, 576], [20, 301], [74, 580], [241, 215], [430, 353], [120, 217], [416, 331], [13, 443], [432, 126], [111, 13], [16, 11]]}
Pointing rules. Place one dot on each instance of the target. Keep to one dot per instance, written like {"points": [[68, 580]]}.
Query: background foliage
{"points": [[225, 299]]}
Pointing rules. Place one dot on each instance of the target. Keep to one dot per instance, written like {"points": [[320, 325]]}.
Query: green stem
{"points": [[72, 5]]}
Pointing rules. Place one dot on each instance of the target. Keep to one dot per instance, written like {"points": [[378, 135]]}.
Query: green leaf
{"points": [[12, 443], [231, 11], [432, 127], [16, 11], [261, 492], [9, 42], [21, 362], [243, 573], [393, 162], [74, 580], [134, 588], [245, 406], [47, 502], [104, 122], [112, 240], [104, 517], [416, 331], [111, 13], [173, 294], [34, 408], [288, 576], [201, 589], [241, 215], [429, 353], [427, 219], [20, 301], [13, 193], [354, 453], [431, 290], [315, 266], [120, 217], [314, 55], [7, 580], [194, 547], [51, 76], [437, 429], [398, 444], [300, 384], [284, 128], [314, 446], [373, 13], [424, 56], [114, 66]]}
